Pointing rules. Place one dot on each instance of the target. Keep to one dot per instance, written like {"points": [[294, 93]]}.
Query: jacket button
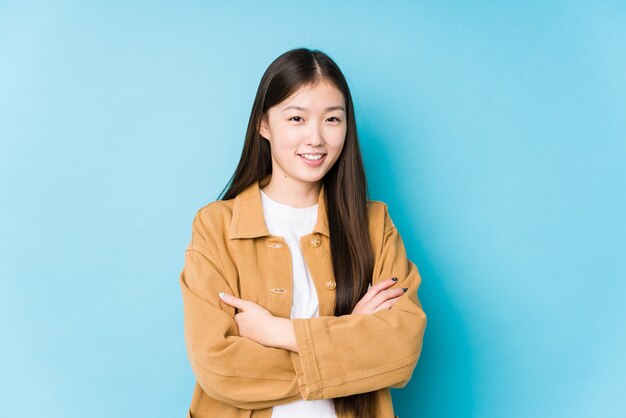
{"points": [[315, 242], [330, 285]]}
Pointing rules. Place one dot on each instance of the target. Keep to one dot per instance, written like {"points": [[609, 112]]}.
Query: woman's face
{"points": [[306, 132]]}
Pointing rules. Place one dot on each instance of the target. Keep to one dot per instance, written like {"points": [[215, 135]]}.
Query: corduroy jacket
{"points": [[231, 250]]}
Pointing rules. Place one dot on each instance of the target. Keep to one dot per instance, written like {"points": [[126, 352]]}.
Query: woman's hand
{"points": [[379, 297], [258, 324]]}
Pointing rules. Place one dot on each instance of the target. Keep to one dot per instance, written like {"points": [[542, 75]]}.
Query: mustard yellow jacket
{"points": [[231, 250]]}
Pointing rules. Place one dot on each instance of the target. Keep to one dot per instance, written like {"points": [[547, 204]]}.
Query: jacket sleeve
{"points": [[228, 367], [357, 353]]}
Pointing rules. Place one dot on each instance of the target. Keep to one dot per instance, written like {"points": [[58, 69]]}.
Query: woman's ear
{"points": [[264, 128]]}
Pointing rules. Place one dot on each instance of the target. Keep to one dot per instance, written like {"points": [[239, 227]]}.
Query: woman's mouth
{"points": [[313, 159]]}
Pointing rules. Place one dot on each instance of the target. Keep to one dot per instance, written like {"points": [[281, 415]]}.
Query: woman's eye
{"points": [[299, 119]]}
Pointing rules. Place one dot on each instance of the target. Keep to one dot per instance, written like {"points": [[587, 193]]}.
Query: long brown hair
{"points": [[345, 186]]}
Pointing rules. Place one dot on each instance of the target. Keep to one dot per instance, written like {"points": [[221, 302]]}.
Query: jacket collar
{"points": [[248, 220]]}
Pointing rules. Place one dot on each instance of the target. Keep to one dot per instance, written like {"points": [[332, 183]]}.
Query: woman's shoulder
{"points": [[216, 207], [215, 215], [378, 215]]}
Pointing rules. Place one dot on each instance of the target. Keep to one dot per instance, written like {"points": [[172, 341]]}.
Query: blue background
{"points": [[495, 131]]}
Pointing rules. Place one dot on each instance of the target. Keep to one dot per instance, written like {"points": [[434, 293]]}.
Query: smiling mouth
{"points": [[312, 157]]}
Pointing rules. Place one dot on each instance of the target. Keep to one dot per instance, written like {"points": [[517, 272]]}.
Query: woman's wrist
{"points": [[284, 334]]}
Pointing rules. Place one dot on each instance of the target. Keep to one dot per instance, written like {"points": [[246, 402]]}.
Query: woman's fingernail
{"points": [[395, 279], [222, 295], [405, 289]]}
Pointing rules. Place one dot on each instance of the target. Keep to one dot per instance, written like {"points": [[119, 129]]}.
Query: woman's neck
{"points": [[293, 193]]}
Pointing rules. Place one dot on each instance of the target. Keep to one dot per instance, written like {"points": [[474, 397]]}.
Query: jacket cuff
{"points": [[304, 361], [297, 365]]}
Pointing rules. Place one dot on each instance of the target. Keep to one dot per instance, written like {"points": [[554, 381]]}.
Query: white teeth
{"points": [[312, 156]]}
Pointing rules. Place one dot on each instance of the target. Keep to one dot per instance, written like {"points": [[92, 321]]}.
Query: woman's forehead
{"points": [[322, 96]]}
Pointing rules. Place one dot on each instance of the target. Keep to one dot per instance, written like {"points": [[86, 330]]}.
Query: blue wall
{"points": [[495, 131]]}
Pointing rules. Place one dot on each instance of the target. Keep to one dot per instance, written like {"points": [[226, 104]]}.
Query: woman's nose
{"points": [[315, 137]]}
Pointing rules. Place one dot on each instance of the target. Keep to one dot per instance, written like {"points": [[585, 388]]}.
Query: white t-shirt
{"points": [[291, 223]]}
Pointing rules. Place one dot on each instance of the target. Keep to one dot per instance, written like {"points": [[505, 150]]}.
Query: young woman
{"points": [[299, 299]]}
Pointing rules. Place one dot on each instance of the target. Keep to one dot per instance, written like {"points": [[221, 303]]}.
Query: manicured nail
{"points": [[405, 289], [222, 295], [395, 279]]}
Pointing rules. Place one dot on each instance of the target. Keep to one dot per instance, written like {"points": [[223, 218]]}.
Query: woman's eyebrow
{"points": [[304, 108]]}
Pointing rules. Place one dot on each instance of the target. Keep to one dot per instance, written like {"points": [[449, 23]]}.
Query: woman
{"points": [[299, 300]]}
